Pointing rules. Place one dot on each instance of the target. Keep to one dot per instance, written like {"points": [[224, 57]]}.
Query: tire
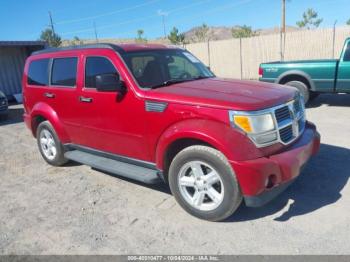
{"points": [[195, 194], [313, 95], [303, 89], [50, 147], [4, 116]]}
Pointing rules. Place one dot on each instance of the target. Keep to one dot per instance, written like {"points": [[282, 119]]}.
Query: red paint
{"points": [[196, 109]]}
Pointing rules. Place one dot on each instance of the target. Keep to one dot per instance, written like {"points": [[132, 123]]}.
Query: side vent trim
{"points": [[152, 106]]}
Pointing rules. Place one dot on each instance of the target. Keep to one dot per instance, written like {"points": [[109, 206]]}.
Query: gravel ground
{"points": [[78, 210]]}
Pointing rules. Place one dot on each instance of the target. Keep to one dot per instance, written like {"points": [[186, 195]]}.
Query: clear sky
{"points": [[24, 19]]}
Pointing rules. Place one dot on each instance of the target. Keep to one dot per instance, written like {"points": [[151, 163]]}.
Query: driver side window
{"points": [[180, 67], [94, 66]]}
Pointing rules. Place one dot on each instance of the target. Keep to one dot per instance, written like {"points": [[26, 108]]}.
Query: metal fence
{"points": [[240, 58]]}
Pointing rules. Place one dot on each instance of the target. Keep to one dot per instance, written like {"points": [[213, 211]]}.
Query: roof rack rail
{"points": [[80, 47]]}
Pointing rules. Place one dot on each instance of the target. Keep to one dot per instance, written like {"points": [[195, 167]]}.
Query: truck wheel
{"points": [[49, 145], [204, 184], [302, 87]]}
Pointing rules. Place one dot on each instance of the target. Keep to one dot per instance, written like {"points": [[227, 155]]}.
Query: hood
{"points": [[225, 93]]}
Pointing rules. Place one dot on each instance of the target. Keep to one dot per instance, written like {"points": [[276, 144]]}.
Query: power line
{"points": [[200, 15], [106, 14], [134, 20]]}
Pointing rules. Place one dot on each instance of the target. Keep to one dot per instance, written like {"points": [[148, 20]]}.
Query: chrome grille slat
{"points": [[282, 114], [290, 120]]}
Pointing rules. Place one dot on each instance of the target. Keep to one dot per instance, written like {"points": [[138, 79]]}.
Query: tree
{"points": [[175, 37], [348, 22], [76, 41], [243, 31], [201, 33], [140, 38], [310, 19], [51, 38]]}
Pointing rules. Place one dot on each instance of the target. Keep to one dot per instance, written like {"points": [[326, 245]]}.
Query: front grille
{"points": [[290, 120], [286, 134], [297, 106], [282, 114]]}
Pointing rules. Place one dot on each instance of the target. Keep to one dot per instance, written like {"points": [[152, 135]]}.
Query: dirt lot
{"points": [[77, 210]]}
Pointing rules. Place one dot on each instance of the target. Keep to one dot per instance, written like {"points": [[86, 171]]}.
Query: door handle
{"points": [[85, 99], [49, 95]]}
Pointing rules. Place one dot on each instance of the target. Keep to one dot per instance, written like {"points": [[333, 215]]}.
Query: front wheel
{"points": [[204, 184]]}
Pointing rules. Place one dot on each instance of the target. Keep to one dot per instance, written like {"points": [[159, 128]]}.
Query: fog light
{"points": [[263, 139]]}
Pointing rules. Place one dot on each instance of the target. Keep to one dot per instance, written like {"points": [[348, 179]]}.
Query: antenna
{"points": [[96, 38]]}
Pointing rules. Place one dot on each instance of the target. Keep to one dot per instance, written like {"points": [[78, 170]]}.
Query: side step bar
{"points": [[142, 174]]}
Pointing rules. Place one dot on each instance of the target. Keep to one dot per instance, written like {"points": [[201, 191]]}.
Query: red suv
{"points": [[155, 112]]}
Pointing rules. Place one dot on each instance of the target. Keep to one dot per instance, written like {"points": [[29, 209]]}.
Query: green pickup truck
{"points": [[311, 77]]}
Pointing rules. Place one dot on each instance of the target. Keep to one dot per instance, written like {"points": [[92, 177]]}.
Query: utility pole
{"points": [[51, 24], [95, 32], [163, 20], [163, 14], [283, 29]]}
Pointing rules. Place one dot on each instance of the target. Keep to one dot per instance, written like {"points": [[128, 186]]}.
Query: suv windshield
{"points": [[158, 68]]}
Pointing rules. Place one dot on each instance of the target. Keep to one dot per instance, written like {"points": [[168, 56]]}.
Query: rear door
{"points": [[62, 90], [110, 123], [343, 79]]}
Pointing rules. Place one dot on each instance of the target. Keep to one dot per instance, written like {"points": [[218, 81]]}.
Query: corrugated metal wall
{"points": [[11, 69]]}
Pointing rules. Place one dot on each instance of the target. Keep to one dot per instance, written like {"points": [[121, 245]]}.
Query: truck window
{"points": [[347, 53], [38, 72], [64, 71], [97, 66]]}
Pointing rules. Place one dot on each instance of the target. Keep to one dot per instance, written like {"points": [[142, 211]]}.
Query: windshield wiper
{"points": [[199, 78], [175, 81], [168, 83]]}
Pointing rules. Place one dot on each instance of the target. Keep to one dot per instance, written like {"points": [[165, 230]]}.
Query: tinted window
{"points": [[347, 53], [97, 66], [155, 67], [64, 71], [38, 72]]}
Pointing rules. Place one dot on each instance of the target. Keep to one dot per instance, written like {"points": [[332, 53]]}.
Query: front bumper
{"points": [[284, 167]]}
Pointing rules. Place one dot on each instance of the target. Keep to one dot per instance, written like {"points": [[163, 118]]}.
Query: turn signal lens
{"points": [[243, 123]]}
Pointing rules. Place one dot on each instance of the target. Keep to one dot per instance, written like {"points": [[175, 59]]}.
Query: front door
{"points": [[107, 122], [343, 79]]}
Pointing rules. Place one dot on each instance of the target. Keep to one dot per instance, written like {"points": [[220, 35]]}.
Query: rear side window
{"points": [[64, 71], [38, 72], [97, 66]]}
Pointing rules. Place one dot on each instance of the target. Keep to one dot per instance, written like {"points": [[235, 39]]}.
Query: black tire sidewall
{"points": [[302, 87], [59, 158], [232, 194]]}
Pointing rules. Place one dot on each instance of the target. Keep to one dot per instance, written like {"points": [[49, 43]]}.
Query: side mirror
{"points": [[109, 83]]}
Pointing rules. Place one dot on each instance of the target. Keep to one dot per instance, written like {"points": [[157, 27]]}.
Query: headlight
{"points": [[260, 127], [254, 123]]}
